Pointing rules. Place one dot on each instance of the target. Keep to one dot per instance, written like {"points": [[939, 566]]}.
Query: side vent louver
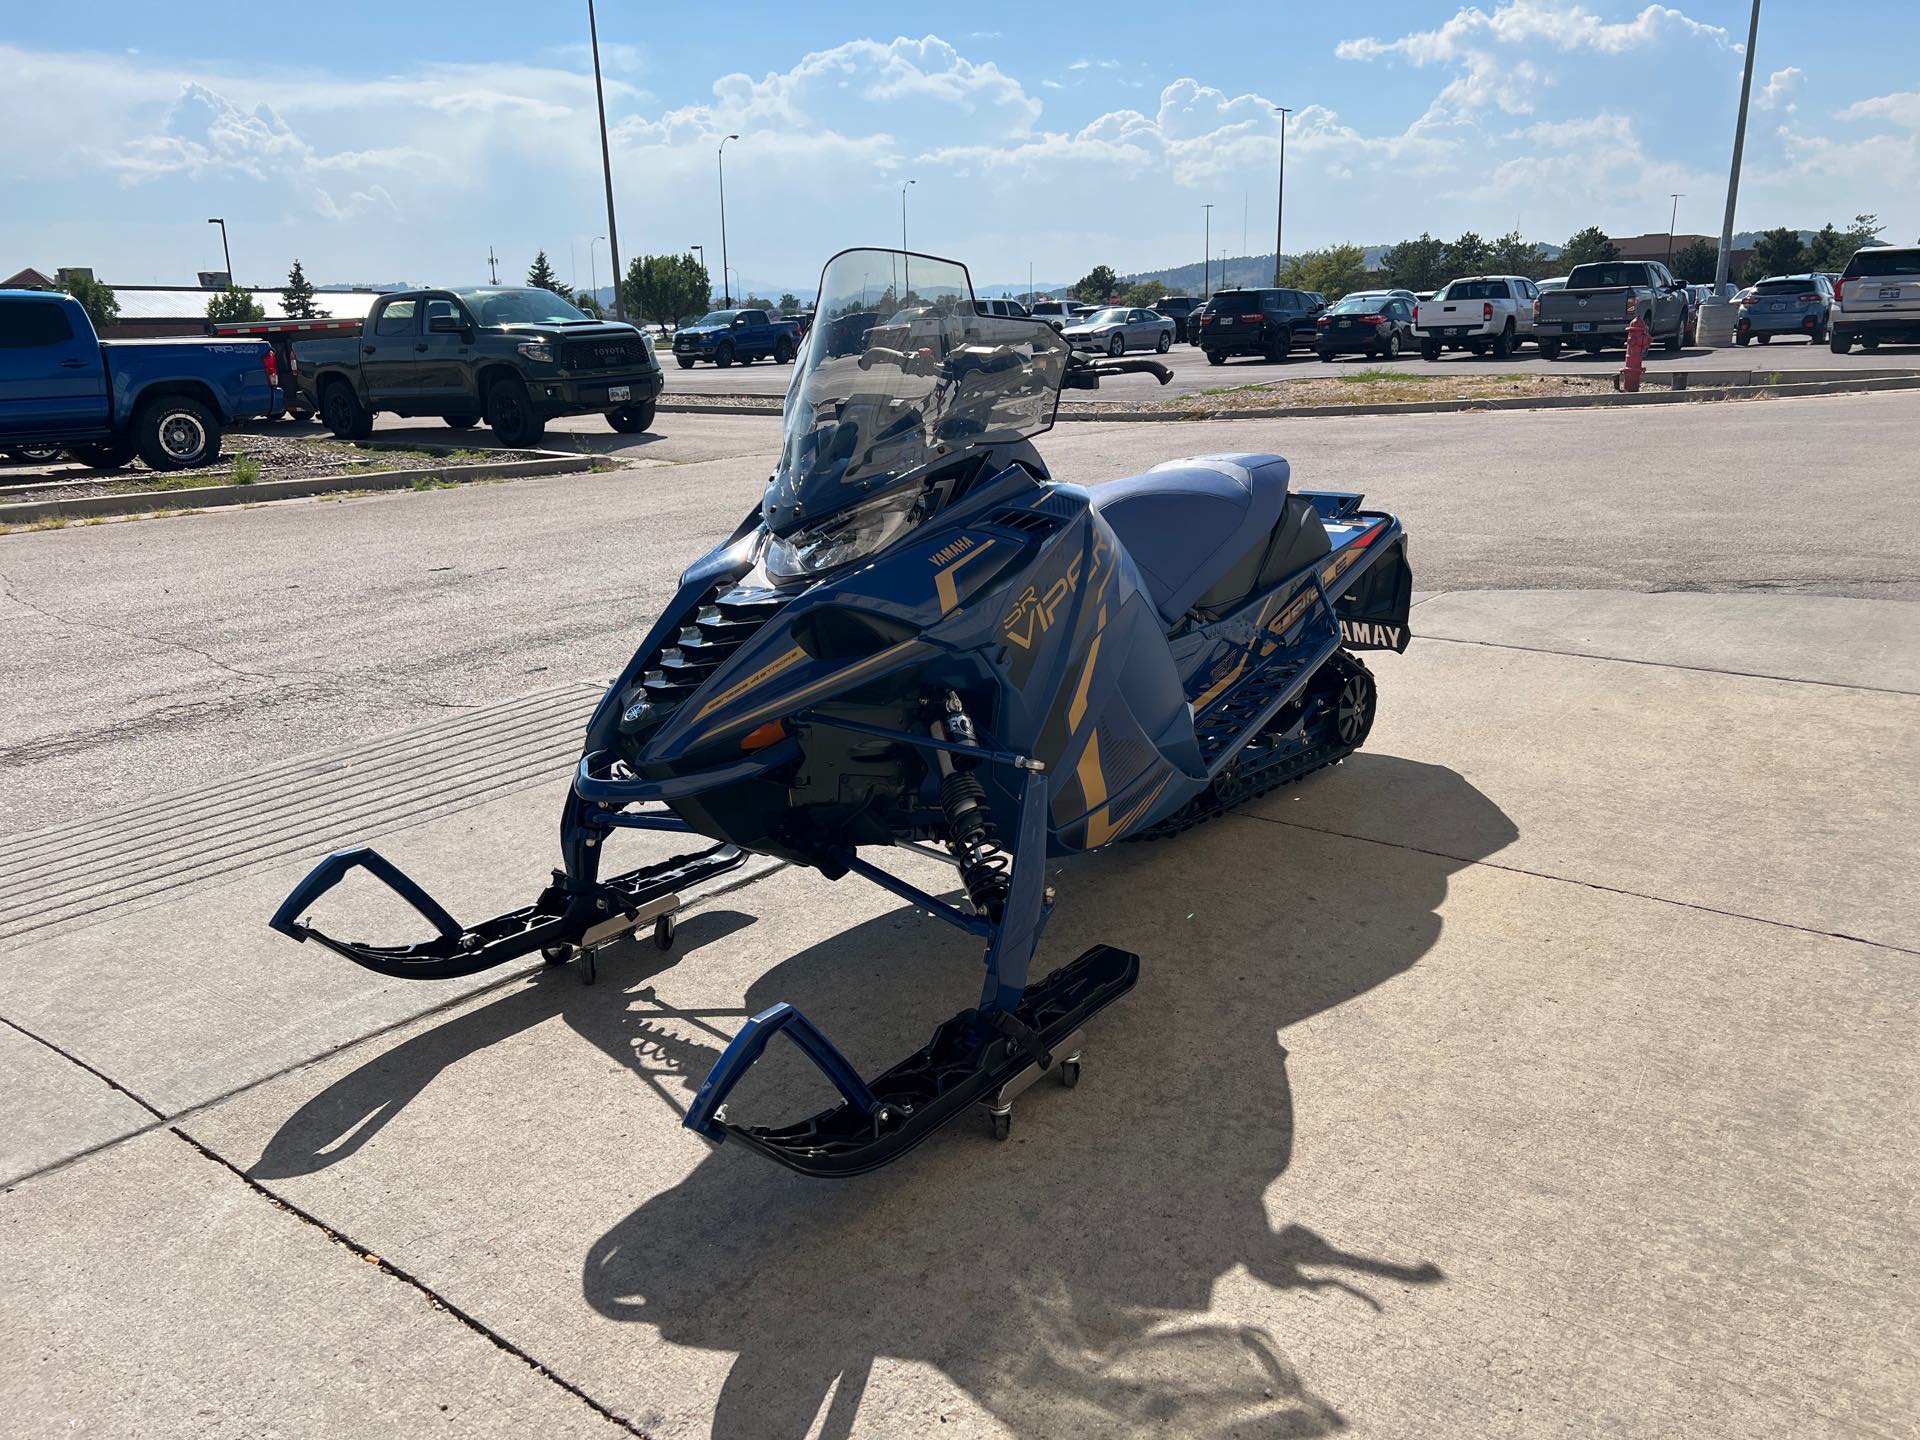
{"points": [[1027, 522], [720, 625]]}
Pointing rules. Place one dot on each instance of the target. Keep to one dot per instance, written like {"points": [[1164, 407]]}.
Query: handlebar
{"points": [[1084, 374]]}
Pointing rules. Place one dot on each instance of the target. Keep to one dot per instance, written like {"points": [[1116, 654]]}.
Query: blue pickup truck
{"points": [[724, 336], [105, 401]]}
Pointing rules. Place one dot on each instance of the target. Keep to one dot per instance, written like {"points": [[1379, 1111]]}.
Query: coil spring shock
{"points": [[972, 837]]}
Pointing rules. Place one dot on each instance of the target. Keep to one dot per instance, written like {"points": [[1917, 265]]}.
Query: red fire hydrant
{"points": [[1629, 377]]}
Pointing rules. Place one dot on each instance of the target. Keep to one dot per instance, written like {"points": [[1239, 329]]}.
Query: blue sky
{"points": [[400, 140]]}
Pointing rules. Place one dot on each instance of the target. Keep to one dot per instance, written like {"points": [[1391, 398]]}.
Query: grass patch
{"points": [[1376, 377], [180, 480], [245, 470], [434, 482]]}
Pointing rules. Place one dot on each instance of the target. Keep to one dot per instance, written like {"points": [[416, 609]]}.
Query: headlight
{"points": [[843, 538], [536, 350]]}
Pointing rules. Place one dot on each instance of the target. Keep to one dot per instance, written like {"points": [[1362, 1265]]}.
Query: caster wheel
{"points": [[1002, 1125], [663, 929], [556, 954], [1070, 1072]]}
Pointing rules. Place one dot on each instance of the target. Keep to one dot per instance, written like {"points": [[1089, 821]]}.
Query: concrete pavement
{"points": [[1542, 1069]]}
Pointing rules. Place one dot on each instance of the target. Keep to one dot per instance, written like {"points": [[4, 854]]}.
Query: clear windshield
{"points": [[901, 369], [717, 317], [530, 306]]}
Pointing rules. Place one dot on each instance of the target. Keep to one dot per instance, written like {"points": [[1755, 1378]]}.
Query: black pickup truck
{"points": [[517, 357]]}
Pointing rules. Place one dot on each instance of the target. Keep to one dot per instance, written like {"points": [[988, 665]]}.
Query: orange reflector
{"points": [[771, 733]]}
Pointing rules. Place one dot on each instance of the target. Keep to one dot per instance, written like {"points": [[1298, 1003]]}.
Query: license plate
{"points": [[1584, 325], [619, 392], [1889, 292], [1460, 330], [1778, 305]]}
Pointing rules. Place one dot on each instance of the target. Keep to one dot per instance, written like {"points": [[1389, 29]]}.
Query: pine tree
{"points": [[297, 298], [540, 273]]}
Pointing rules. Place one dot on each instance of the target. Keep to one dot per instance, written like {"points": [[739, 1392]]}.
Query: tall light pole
{"points": [[593, 275], [1678, 196], [1739, 143], [606, 163], [1280, 206], [1206, 251], [721, 154], [703, 265], [225, 253], [907, 276]]}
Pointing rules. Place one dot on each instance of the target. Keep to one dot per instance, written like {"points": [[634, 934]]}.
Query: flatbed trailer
{"points": [[282, 335]]}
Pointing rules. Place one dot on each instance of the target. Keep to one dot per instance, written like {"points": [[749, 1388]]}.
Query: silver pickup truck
{"points": [[1600, 301]]}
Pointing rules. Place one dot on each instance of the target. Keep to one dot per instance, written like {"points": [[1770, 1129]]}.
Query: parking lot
{"points": [[1192, 374], [1539, 1070]]}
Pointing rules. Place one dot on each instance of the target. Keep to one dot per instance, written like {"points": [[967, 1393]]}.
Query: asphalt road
{"points": [[144, 657], [1192, 373]]}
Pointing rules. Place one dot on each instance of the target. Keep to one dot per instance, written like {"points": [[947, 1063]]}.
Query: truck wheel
{"points": [[510, 413], [461, 422], [1216, 357], [1678, 339], [783, 353], [1742, 335], [1503, 344], [1869, 344], [109, 455], [1549, 349], [343, 412], [32, 454], [685, 362], [176, 432], [1839, 344], [723, 357], [1763, 339], [632, 419], [1430, 349]]}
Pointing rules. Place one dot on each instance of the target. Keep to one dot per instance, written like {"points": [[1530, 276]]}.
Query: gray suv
{"points": [[1785, 305]]}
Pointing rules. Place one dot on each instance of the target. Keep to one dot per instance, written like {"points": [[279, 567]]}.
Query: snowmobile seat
{"points": [[1206, 532]]}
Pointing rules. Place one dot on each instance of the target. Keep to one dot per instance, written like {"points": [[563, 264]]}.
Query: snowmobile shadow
{"points": [[1061, 1279], [334, 1124]]}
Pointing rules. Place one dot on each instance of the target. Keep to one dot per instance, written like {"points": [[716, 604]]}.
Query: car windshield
{"points": [[717, 317], [529, 306], [1361, 305], [1884, 261], [1476, 290], [1107, 317], [874, 399], [1785, 287]]}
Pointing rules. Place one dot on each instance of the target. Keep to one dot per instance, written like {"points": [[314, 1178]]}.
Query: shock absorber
{"points": [[972, 837]]}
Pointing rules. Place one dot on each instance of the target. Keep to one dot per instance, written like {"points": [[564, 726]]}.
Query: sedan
{"points": [[1117, 329], [1377, 325]]}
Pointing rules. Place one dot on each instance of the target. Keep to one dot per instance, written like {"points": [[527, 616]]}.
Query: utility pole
{"points": [[708, 298], [606, 163], [593, 272], [1206, 251], [1280, 207], [1678, 196], [725, 289], [1715, 325], [225, 253], [907, 278], [493, 265]]}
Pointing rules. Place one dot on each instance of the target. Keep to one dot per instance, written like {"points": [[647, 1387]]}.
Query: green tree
{"points": [[96, 297], [297, 298], [541, 273], [1588, 247], [1777, 252], [1864, 231], [1416, 264], [1096, 285], [1332, 271], [1695, 263], [590, 304], [666, 289], [1142, 293], [789, 302], [757, 302], [233, 303], [1511, 255], [1467, 256]]}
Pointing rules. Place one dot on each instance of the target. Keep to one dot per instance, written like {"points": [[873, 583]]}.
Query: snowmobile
{"points": [[919, 641]]}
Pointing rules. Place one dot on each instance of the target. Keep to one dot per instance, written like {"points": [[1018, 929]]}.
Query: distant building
{"points": [[27, 279], [1654, 247]]}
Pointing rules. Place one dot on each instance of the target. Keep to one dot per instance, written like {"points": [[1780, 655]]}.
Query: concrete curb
{"points": [[1663, 396], [142, 501]]}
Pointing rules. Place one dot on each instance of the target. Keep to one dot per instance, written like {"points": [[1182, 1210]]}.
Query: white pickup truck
{"points": [[1878, 298], [1477, 313]]}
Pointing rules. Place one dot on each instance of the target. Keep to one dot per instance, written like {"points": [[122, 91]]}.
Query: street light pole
{"points": [[1280, 207], [1678, 196], [1739, 143], [708, 300], [1206, 251], [606, 163], [593, 273], [225, 253], [906, 261], [721, 154]]}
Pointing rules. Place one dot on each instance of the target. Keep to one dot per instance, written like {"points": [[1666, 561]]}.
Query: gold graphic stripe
{"points": [[759, 677], [1234, 674], [1100, 829], [787, 703], [944, 585], [1077, 708]]}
